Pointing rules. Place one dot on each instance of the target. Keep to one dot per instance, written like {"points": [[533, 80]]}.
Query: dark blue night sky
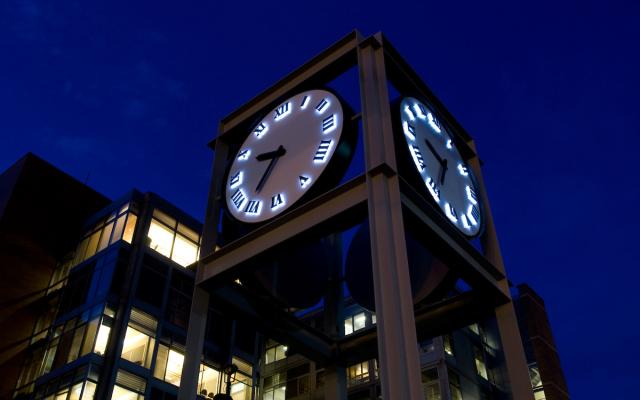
{"points": [[127, 94]]}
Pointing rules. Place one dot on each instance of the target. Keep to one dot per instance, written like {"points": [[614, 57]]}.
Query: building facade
{"points": [[111, 319]]}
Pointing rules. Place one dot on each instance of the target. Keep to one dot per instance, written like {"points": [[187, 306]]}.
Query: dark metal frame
{"points": [[386, 199]]}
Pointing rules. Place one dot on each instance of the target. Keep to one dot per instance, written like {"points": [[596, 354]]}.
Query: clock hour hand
{"points": [[279, 152], [443, 170], [442, 161], [273, 156]]}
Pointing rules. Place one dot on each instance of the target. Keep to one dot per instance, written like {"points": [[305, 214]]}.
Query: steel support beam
{"points": [[200, 301], [516, 363], [400, 376], [316, 212], [331, 62]]}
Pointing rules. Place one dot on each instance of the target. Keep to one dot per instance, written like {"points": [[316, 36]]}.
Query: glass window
{"points": [[359, 321], [448, 344], [454, 386], [164, 218], [92, 246], [348, 326], [208, 380], [431, 384], [103, 337], [120, 393], [480, 366], [129, 228], [89, 391], [358, 373], [119, 228], [137, 347], [106, 235], [160, 238], [355, 323], [185, 252], [277, 393], [161, 361], [76, 343], [275, 353]]}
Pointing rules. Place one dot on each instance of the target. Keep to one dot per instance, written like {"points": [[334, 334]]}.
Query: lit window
{"points": [[448, 344], [275, 353], [169, 365], [120, 393], [130, 228], [474, 328], [277, 393], [208, 381], [137, 347], [185, 252], [181, 246], [454, 386], [102, 339], [161, 238], [355, 323], [106, 233], [480, 366], [358, 373]]}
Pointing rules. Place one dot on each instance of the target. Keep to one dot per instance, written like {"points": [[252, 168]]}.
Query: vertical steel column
{"points": [[516, 363], [400, 376], [335, 383], [200, 302]]}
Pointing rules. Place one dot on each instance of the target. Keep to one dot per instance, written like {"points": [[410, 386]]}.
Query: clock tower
{"points": [[351, 145]]}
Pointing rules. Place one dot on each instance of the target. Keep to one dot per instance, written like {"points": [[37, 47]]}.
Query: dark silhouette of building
{"points": [[42, 210], [540, 349]]}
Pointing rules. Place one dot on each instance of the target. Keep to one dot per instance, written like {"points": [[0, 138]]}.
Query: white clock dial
{"points": [[446, 175], [284, 155]]}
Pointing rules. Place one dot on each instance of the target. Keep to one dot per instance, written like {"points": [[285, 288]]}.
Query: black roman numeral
{"points": [[243, 155], [475, 213], [260, 129], [471, 194], [411, 129], [422, 109], [419, 157], [303, 180], [322, 105], [435, 121], [252, 207], [452, 212], [238, 198], [235, 179], [322, 151], [328, 123], [305, 100], [434, 187], [276, 200], [280, 111]]}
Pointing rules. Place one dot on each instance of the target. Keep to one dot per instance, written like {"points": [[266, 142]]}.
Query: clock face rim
{"points": [[339, 135], [420, 177]]}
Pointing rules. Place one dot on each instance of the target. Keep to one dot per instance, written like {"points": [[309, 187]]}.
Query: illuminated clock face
{"points": [[283, 156], [445, 174]]}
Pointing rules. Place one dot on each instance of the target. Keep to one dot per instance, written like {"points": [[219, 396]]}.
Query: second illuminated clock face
{"points": [[283, 156], [444, 172]]}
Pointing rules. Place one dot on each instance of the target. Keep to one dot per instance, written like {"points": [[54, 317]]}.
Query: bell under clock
{"points": [[443, 170], [284, 155]]}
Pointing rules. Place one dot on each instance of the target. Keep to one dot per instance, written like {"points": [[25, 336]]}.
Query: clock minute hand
{"points": [[273, 156], [435, 153]]}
